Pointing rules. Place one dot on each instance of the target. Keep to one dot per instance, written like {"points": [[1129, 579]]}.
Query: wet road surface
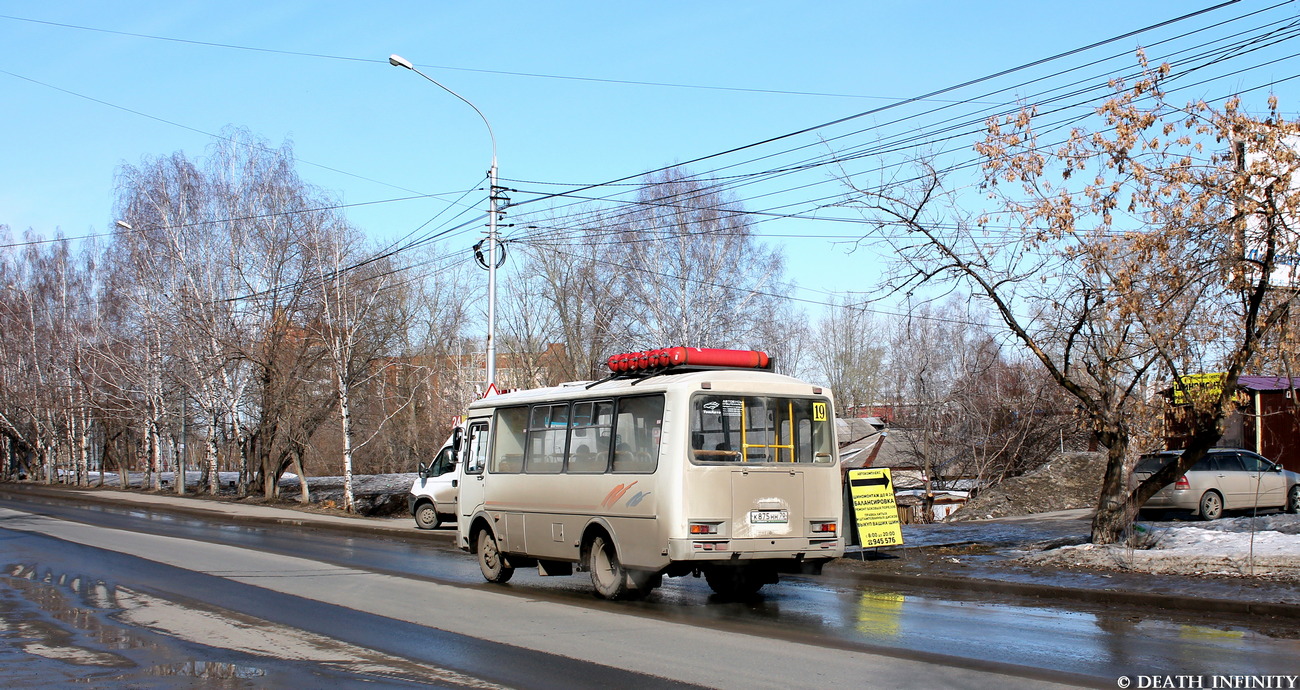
{"points": [[833, 611]]}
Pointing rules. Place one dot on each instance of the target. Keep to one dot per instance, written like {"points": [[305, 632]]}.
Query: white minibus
{"points": [[685, 461], [432, 499]]}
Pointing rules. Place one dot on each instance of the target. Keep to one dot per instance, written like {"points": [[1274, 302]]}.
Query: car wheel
{"points": [[426, 517], [490, 562], [608, 576], [1293, 500], [1211, 506]]}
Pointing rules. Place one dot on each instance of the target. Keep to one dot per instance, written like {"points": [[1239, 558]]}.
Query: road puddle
{"points": [[208, 670], [74, 629]]}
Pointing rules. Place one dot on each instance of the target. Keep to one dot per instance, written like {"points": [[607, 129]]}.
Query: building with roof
{"points": [[923, 494], [1267, 420]]}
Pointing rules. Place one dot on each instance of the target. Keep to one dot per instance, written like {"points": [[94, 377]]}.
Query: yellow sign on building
{"points": [[1198, 386], [874, 509]]}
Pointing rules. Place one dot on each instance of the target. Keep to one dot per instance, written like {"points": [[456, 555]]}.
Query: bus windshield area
{"points": [[760, 429]]}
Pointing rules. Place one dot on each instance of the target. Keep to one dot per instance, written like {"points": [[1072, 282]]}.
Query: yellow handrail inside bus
{"points": [[745, 445]]}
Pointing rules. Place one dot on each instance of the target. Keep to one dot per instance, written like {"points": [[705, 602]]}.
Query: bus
{"points": [[683, 461]]}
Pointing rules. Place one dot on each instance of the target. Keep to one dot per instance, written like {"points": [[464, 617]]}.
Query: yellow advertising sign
{"points": [[874, 509], [1198, 386]]}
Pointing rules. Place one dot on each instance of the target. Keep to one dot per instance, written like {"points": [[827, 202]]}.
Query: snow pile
{"points": [[1267, 547], [1280, 522]]}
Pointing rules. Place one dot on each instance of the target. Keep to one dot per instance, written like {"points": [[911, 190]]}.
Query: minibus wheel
{"points": [[608, 575], [426, 517], [489, 559]]}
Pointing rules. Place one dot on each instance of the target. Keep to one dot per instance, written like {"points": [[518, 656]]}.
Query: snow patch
{"points": [[1267, 547]]}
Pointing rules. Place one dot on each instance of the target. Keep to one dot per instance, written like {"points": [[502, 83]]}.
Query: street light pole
{"points": [[399, 61]]}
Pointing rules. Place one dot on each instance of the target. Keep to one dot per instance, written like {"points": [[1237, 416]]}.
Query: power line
{"points": [[196, 130], [218, 221], [812, 163], [1235, 50], [534, 75], [897, 104]]}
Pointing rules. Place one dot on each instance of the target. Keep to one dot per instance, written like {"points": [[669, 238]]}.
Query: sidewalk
{"points": [[233, 511], [971, 558]]}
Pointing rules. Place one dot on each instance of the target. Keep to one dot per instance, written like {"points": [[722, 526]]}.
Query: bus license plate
{"points": [[768, 516]]}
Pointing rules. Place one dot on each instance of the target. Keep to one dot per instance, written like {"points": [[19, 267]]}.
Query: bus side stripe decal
{"points": [[615, 494]]}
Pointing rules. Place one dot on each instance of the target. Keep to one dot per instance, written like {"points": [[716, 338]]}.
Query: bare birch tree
{"points": [[354, 293], [690, 268], [848, 355]]}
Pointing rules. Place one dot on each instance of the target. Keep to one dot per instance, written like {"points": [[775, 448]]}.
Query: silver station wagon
{"points": [[1225, 479]]}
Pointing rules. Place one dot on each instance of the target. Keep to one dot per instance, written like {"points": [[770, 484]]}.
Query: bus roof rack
{"points": [[675, 359]]}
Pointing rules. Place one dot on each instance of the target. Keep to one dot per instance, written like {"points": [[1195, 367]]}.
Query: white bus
{"points": [[685, 461]]}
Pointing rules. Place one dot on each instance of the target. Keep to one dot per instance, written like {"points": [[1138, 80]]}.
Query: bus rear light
{"points": [[823, 528], [703, 528], [1182, 484]]}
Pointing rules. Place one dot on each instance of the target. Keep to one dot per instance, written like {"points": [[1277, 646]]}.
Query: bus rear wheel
{"points": [[489, 559], [608, 576], [735, 582]]}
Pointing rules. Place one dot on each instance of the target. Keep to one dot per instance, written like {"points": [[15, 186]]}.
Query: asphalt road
{"points": [[277, 607]]}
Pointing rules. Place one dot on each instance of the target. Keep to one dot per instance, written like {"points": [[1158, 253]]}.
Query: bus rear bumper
{"points": [[784, 548]]}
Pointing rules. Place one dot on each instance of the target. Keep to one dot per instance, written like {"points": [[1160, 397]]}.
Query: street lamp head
{"points": [[399, 61], [124, 225]]}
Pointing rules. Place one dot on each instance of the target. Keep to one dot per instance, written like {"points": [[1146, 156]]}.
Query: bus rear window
{"points": [[760, 429]]}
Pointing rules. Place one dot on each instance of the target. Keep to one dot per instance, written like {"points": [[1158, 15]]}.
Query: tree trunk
{"points": [[210, 464], [83, 454], [48, 458], [242, 444], [345, 415], [1114, 512], [155, 456], [304, 494]]}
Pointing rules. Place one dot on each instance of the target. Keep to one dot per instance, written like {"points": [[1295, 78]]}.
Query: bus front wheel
{"points": [[608, 576], [489, 559]]}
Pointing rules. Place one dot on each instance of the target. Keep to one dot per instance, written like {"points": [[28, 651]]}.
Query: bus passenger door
{"points": [[475, 461]]}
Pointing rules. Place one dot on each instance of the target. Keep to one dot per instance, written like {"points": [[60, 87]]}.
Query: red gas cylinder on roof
{"points": [[698, 357]]}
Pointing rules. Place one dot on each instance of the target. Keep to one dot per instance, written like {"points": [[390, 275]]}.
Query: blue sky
{"points": [[79, 102]]}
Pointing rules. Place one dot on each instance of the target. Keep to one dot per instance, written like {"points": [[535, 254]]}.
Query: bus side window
{"points": [[547, 435], [508, 441], [639, 424], [589, 437]]}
